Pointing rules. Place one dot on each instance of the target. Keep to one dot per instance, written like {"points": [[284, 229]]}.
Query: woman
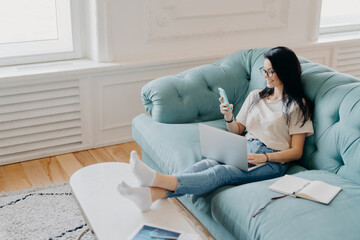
{"points": [[277, 119]]}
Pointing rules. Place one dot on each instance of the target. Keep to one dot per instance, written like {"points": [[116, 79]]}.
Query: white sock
{"points": [[143, 173], [141, 196]]}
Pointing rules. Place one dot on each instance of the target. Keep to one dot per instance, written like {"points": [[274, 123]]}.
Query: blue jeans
{"points": [[208, 175]]}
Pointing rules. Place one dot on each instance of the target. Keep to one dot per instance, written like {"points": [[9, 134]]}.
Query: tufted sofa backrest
{"points": [[192, 96], [335, 145]]}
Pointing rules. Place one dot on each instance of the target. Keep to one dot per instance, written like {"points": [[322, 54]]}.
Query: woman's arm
{"points": [[233, 126], [294, 153]]}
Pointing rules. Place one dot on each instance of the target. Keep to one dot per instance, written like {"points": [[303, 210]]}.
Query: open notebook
{"points": [[317, 191]]}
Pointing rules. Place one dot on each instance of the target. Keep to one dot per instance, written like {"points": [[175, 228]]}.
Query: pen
{"points": [[163, 237], [301, 188]]}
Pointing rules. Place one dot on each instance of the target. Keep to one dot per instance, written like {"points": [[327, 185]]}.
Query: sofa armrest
{"points": [[192, 96], [180, 99]]}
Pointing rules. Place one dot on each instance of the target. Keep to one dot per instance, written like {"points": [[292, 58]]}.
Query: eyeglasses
{"points": [[268, 73]]}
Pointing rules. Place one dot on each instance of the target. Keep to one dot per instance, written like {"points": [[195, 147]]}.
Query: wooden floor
{"points": [[59, 168]]}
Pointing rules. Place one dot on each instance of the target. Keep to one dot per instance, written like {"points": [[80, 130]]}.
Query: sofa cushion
{"points": [[173, 147], [289, 218]]}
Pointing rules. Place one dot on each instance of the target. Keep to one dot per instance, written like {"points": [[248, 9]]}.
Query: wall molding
{"points": [[116, 126], [102, 92], [168, 20]]}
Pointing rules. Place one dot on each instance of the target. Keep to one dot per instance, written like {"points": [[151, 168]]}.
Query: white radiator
{"points": [[348, 60], [41, 116]]}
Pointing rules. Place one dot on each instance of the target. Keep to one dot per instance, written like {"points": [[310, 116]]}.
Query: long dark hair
{"points": [[288, 69]]}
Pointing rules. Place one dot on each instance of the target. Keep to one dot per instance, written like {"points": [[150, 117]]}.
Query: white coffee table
{"points": [[112, 216]]}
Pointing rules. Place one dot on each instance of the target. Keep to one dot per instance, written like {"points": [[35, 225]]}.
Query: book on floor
{"points": [[317, 191]]}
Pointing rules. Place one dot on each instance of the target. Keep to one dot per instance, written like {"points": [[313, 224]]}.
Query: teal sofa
{"points": [[169, 138]]}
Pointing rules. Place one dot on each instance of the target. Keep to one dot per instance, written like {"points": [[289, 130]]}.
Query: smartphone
{"points": [[225, 99]]}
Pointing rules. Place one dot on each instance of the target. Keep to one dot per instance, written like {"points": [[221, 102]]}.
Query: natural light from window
{"points": [[35, 20], [340, 16], [35, 30]]}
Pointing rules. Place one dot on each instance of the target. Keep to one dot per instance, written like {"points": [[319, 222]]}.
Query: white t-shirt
{"points": [[266, 121]]}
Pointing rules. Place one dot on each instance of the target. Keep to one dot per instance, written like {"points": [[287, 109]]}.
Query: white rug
{"points": [[48, 212]]}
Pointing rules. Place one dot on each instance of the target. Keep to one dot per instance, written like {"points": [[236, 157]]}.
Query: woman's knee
{"points": [[200, 166], [208, 163], [226, 173]]}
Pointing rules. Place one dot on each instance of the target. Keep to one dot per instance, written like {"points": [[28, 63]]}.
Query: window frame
{"points": [[76, 15], [339, 29]]}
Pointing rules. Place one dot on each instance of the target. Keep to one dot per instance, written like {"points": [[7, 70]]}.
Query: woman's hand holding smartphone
{"points": [[225, 107]]}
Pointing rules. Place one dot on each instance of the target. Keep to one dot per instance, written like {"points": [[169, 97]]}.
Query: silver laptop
{"points": [[225, 147]]}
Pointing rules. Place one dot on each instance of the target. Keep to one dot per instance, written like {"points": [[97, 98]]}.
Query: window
{"points": [[38, 30], [340, 16]]}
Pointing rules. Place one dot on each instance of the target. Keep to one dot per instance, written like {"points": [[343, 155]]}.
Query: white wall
{"points": [[144, 39], [150, 30]]}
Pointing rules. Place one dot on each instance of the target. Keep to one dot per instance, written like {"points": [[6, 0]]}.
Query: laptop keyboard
{"points": [[251, 165]]}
